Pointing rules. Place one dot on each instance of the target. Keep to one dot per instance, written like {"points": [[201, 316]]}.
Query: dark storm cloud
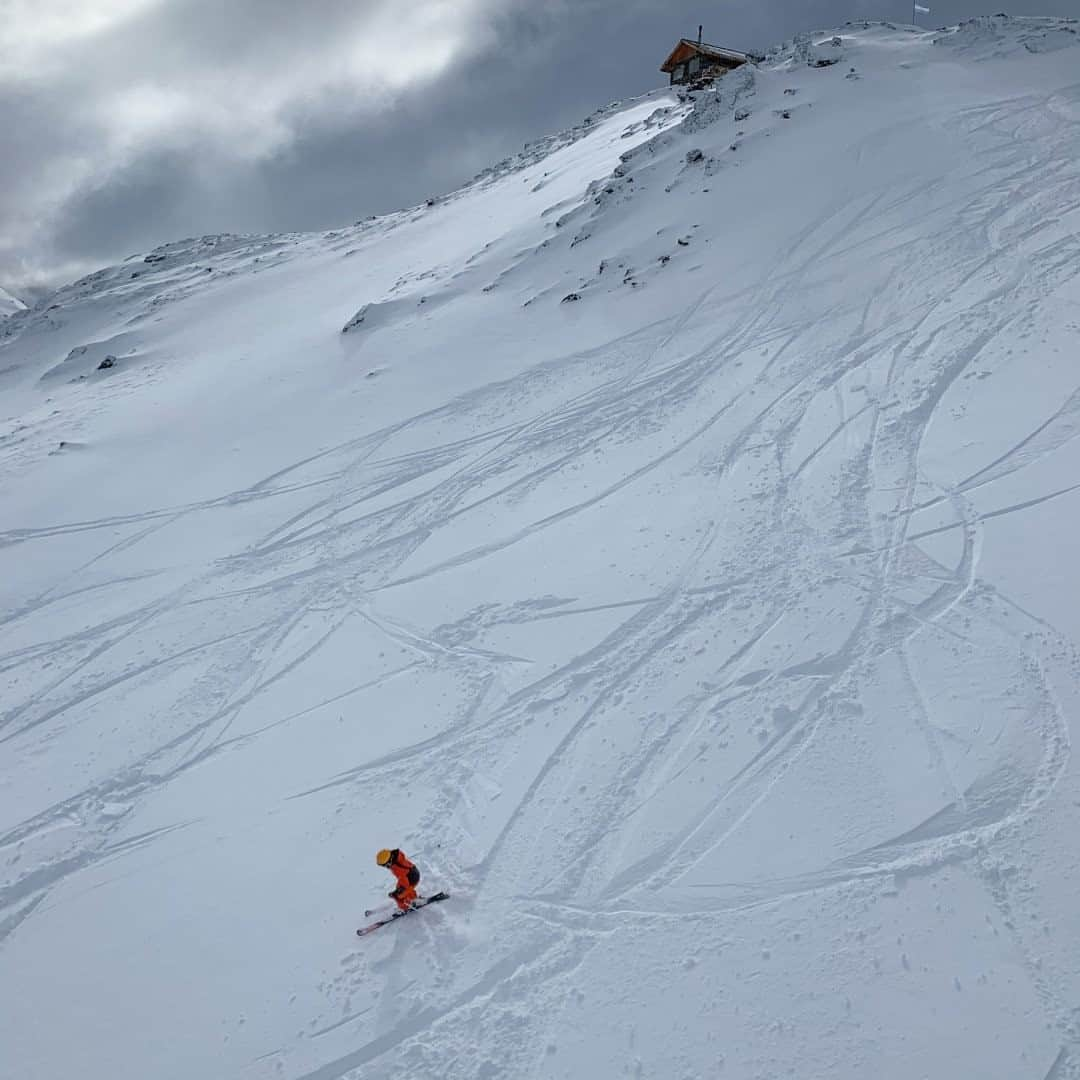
{"points": [[130, 122]]}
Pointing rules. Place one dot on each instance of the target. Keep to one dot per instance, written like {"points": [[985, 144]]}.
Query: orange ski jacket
{"points": [[403, 870]]}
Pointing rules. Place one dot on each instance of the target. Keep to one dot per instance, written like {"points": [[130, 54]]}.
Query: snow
{"points": [[711, 638], [9, 304]]}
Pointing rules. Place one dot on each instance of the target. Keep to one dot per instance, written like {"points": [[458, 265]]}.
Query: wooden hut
{"points": [[697, 62]]}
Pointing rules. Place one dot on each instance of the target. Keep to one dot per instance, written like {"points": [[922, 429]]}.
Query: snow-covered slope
{"points": [[668, 541], [9, 304]]}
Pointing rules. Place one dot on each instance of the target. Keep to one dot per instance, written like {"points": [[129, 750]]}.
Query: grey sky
{"points": [[126, 123]]}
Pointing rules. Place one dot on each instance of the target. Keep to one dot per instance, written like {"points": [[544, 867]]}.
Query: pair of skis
{"points": [[416, 906]]}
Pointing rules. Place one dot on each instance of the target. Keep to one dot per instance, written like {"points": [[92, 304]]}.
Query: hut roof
{"points": [[687, 48]]}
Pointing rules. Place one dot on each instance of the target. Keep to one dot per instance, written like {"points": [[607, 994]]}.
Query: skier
{"points": [[406, 873]]}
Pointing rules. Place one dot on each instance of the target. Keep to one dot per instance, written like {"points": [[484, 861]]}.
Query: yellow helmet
{"points": [[383, 857]]}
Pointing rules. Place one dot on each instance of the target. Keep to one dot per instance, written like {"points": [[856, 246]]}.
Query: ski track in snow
{"points": [[629, 778]]}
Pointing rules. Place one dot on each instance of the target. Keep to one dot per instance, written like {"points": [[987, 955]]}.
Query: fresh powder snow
{"points": [[668, 541]]}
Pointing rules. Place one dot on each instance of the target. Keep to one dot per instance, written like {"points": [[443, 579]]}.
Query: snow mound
{"points": [[994, 36]]}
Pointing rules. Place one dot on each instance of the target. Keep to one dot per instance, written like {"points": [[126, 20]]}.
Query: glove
{"points": [[392, 894]]}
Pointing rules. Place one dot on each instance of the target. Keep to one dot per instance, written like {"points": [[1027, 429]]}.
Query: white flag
{"points": [[922, 10]]}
